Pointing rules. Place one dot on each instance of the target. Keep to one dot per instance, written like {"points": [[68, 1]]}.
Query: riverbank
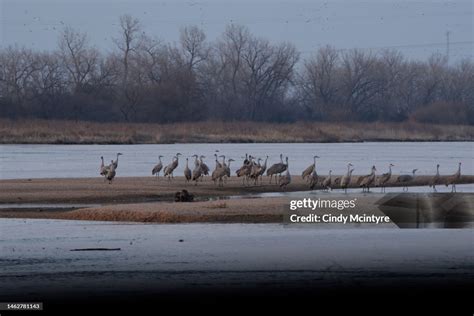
{"points": [[70, 132]]}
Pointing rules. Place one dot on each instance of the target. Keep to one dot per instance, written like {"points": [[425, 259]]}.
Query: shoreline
{"points": [[243, 141], [216, 132]]}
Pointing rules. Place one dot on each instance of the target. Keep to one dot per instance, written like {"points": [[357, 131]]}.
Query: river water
{"points": [[31, 247], [64, 161]]}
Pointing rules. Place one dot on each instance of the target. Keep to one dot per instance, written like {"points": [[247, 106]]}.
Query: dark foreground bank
{"points": [[234, 267], [412, 294]]}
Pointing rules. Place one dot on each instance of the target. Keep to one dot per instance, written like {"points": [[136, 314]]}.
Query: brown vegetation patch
{"points": [[69, 132]]}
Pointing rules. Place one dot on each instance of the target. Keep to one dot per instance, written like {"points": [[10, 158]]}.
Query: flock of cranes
{"points": [[252, 171], [108, 172]]}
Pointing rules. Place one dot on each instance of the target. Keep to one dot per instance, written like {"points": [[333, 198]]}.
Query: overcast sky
{"points": [[417, 28]]}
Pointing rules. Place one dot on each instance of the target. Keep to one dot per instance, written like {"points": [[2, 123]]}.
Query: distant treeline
{"points": [[237, 77]]}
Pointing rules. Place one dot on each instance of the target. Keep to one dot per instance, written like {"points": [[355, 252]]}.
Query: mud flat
{"points": [[148, 189], [151, 200]]}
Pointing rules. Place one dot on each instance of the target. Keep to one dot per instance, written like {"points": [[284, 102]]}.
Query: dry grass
{"points": [[237, 211], [69, 132]]}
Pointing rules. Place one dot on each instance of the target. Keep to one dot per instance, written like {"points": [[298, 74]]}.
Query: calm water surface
{"points": [[63, 161]]}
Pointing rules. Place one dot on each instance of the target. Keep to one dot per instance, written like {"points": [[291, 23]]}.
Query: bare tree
{"points": [[318, 81], [18, 66], [237, 77], [231, 47], [459, 86], [128, 44], [193, 45], [390, 75], [78, 58], [433, 76], [48, 86], [153, 60], [268, 70], [359, 83], [252, 72]]}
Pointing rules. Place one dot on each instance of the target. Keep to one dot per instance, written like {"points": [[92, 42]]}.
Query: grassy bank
{"points": [[70, 132]]}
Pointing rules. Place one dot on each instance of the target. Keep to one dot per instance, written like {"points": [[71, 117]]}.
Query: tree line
{"points": [[238, 77]]}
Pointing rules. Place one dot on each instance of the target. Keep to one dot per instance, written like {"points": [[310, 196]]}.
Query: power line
{"points": [[422, 45]]}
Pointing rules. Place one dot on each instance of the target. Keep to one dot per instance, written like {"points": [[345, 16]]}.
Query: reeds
{"points": [[70, 132]]}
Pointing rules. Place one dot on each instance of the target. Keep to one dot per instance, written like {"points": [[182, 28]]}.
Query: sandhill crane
{"points": [[285, 165], [245, 170], [327, 182], [286, 179], [169, 169], [246, 160], [227, 168], [218, 164], [111, 172], [205, 168], [313, 179], [346, 180], [261, 171], [103, 168], [196, 160], [256, 166], [308, 171], [156, 170], [436, 179], [115, 163], [223, 161], [452, 180], [166, 170], [406, 178], [245, 163], [254, 170], [187, 172], [218, 174], [277, 168], [368, 180], [197, 173], [384, 178]]}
